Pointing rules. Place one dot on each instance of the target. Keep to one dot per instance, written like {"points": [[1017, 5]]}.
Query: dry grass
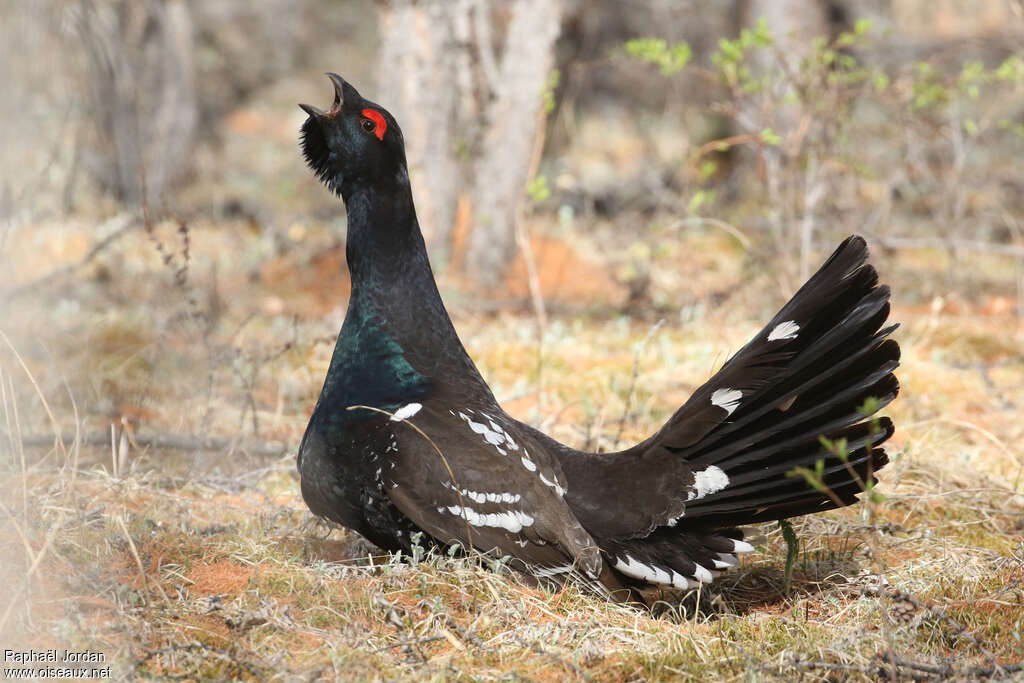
{"points": [[207, 564]]}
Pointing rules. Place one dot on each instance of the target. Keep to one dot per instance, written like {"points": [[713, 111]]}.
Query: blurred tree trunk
{"points": [[470, 114], [793, 25], [427, 82], [142, 100], [513, 120]]}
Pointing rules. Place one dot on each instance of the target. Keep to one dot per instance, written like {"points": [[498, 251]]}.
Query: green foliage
{"points": [[699, 199], [928, 89], [815, 478], [730, 58], [792, 551], [538, 189], [550, 86], [1011, 70], [669, 58], [708, 169], [848, 124], [869, 407], [839, 447], [770, 137]]}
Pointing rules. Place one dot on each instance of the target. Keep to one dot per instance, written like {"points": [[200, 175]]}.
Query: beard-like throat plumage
{"points": [[318, 156]]}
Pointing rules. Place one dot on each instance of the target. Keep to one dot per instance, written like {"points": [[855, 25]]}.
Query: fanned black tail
{"points": [[833, 370], [821, 368]]}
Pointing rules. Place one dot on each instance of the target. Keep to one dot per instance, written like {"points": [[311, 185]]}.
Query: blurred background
{"points": [[169, 264], [172, 276]]}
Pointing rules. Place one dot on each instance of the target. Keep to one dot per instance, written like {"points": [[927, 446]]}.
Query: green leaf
{"points": [[842, 449], [810, 477], [870, 406], [699, 198], [538, 188], [730, 50], [548, 95], [707, 169], [1012, 69], [670, 59], [770, 137], [762, 36]]}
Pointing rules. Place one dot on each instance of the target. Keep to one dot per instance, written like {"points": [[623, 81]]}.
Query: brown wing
{"points": [[471, 482]]}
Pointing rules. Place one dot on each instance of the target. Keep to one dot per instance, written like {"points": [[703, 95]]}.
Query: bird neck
{"points": [[388, 263], [382, 229], [395, 311]]}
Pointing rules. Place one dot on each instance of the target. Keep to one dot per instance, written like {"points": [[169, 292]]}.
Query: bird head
{"points": [[353, 140]]}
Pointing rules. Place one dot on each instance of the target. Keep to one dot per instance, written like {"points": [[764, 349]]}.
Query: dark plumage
{"points": [[666, 511]]}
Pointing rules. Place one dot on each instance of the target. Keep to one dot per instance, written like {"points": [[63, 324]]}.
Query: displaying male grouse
{"points": [[429, 449]]}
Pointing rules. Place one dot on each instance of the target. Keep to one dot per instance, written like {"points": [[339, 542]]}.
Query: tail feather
{"points": [[843, 490], [738, 444], [782, 483], [841, 358], [820, 417], [816, 368]]}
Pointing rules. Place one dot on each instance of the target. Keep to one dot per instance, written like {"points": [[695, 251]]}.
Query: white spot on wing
{"points": [[492, 433], [406, 411], [484, 497], [553, 484], [741, 547], [680, 581], [727, 399], [725, 561], [708, 481], [786, 330], [512, 520], [630, 566], [703, 574], [528, 464]]}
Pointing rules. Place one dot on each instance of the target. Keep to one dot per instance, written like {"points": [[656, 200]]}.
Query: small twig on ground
{"points": [[138, 563], [178, 442]]}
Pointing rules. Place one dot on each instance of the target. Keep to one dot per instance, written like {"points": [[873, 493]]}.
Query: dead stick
{"points": [[179, 442]]}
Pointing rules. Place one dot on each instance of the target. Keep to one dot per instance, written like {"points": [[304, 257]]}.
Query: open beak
{"points": [[312, 111], [339, 85]]}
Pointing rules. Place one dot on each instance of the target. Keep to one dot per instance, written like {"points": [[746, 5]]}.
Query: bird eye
{"points": [[374, 122]]}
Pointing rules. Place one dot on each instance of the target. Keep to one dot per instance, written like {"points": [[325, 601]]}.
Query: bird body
{"points": [[406, 436]]}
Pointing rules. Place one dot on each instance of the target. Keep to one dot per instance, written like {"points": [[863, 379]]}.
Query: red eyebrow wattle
{"points": [[380, 123]]}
